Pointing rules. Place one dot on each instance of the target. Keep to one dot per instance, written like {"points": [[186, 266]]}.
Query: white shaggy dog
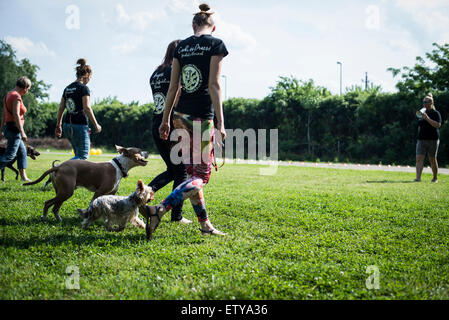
{"points": [[118, 210]]}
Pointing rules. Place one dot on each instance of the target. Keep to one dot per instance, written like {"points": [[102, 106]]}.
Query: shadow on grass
{"points": [[114, 239], [36, 220], [68, 226]]}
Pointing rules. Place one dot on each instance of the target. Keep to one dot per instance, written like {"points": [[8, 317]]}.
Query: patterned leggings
{"points": [[199, 166]]}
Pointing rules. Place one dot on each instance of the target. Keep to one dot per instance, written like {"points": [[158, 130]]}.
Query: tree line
{"points": [[361, 125]]}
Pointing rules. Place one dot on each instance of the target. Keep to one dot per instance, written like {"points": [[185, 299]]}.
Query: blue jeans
{"points": [[15, 146], [78, 135]]}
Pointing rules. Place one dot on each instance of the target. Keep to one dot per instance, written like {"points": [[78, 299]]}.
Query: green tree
{"points": [[424, 76], [10, 70]]}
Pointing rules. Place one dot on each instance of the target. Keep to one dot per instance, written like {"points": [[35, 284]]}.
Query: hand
{"points": [[58, 131], [425, 116], [221, 128], [98, 128], [24, 137], [164, 130]]}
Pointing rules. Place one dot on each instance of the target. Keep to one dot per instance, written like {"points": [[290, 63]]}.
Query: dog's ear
{"points": [[119, 149], [140, 186]]}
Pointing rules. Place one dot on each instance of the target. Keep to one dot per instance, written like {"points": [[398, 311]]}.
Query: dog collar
{"points": [[119, 165]]}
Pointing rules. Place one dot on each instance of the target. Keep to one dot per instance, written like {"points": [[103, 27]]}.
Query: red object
{"points": [[90, 131]]}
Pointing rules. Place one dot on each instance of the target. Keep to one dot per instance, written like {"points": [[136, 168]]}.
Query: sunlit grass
{"points": [[304, 233]]}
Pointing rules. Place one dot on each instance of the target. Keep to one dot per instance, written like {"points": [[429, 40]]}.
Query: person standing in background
{"points": [[428, 138], [12, 127]]}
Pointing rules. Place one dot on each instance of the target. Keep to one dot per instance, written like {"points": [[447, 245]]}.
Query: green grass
{"points": [[304, 233]]}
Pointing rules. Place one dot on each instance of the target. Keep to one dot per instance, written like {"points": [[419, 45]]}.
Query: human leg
{"points": [[12, 145], [78, 135], [433, 151], [420, 156], [22, 161]]}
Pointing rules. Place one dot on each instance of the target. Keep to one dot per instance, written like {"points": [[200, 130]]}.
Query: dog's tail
{"points": [[53, 163], [41, 177]]}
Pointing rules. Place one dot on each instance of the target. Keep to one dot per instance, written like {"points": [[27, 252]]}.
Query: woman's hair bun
{"points": [[430, 95], [81, 62], [204, 7]]}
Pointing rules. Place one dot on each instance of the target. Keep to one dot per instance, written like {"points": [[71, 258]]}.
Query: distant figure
{"points": [[428, 138], [12, 127], [76, 100]]}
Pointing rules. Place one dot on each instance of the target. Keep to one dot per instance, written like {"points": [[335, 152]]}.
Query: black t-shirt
{"points": [[425, 130], [159, 82], [194, 55], [73, 95]]}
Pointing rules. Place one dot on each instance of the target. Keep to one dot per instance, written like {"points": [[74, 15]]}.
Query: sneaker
{"points": [[435, 180], [417, 180], [183, 221]]}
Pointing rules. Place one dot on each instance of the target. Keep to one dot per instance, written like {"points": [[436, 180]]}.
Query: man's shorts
{"points": [[427, 146]]}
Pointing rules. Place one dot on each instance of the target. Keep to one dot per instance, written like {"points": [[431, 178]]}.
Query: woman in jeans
{"points": [[196, 69], [12, 127], [75, 99]]}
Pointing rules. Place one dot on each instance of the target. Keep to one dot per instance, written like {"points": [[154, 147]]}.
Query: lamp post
{"points": [[341, 66], [226, 86]]}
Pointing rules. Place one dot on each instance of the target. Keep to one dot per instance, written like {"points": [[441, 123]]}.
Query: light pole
{"points": [[226, 86], [341, 66]]}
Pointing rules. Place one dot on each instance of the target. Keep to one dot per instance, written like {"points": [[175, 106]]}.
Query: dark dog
{"points": [[31, 152]]}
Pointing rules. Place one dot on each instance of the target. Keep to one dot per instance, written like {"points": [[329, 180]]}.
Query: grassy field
{"points": [[304, 233]]}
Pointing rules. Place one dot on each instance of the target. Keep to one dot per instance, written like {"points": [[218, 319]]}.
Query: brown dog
{"points": [[102, 178], [31, 152]]}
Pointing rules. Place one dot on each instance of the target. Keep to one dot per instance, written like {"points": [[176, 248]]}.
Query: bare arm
{"points": [[90, 114], [2, 123], [16, 115], [172, 99], [215, 92], [58, 130], [433, 123]]}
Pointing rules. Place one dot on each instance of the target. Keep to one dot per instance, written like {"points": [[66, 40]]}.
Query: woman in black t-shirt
{"points": [[75, 125], [428, 138], [197, 66], [159, 82]]}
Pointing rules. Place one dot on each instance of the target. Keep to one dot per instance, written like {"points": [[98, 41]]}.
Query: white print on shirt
{"points": [[191, 78], [159, 103], [197, 50], [70, 90], [70, 105], [158, 79]]}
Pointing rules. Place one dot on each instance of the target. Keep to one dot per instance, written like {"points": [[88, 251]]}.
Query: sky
{"points": [[124, 41]]}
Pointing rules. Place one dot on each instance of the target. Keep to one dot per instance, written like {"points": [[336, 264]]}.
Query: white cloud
{"points": [[432, 15], [135, 22], [127, 44], [421, 4], [24, 47], [233, 35]]}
